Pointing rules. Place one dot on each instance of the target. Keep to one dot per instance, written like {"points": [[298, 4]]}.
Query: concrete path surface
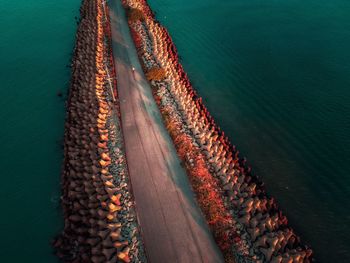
{"points": [[172, 225]]}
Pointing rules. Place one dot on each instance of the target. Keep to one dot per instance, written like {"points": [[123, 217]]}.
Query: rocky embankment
{"points": [[246, 222], [100, 224]]}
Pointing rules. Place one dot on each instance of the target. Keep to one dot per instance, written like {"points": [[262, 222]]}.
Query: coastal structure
{"points": [[100, 221], [245, 221], [173, 228]]}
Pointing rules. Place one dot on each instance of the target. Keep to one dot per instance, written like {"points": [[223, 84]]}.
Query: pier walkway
{"points": [[172, 225]]}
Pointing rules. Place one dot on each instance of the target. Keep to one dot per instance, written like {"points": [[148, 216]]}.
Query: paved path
{"points": [[172, 226]]}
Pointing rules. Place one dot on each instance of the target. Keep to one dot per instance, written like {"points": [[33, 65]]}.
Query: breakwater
{"points": [[100, 221], [245, 221]]}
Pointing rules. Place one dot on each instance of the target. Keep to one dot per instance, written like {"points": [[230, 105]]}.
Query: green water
{"points": [[276, 77], [37, 38]]}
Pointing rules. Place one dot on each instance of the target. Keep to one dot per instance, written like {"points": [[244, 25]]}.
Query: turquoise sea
{"points": [[276, 77], [37, 38]]}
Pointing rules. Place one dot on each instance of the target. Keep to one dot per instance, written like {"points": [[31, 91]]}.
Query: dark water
{"points": [[276, 77], [37, 38]]}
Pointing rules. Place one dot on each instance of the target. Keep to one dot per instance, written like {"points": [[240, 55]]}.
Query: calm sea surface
{"points": [[276, 77], [36, 41]]}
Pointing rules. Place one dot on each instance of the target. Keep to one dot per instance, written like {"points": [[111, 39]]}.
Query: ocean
{"points": [[276, 77], [274, 74], [37, 39]]}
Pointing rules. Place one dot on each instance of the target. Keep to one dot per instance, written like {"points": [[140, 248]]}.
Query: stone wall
{"points": [[100, 223]]}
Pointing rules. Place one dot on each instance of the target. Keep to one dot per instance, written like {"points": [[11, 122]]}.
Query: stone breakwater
{"points": [[245, 221], [100, 221]]}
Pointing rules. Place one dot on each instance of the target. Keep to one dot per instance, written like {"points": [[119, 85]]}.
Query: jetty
{"points": [[148, 175], [173, 228]]}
